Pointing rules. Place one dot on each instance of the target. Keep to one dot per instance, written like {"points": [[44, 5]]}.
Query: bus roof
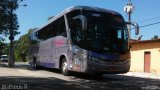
{"points": [[89, 8], [73, 8]]}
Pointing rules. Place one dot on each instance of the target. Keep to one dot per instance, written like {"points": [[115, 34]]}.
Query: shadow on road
{"points": [[32, 83], [81, 81], [106, 83], [112, 81]]}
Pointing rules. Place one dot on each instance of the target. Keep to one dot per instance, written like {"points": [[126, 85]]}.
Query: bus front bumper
{"points": [[108, 67]]}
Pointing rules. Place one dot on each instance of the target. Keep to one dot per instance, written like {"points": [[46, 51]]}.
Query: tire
{"points": [[64, 67], [35, 66]]}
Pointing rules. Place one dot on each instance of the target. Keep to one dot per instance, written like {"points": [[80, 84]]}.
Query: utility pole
{"points": [[129, 8]]}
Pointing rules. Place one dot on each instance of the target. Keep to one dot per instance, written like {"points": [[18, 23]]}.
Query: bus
{"points": [[83, 39]]}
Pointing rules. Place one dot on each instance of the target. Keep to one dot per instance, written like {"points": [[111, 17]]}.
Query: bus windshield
{"points": [[106, 33]]}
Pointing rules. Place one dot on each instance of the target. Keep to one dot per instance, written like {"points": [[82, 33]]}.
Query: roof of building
{"points": [[144, 41]]}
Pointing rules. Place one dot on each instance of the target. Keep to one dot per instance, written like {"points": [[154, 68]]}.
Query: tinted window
{"points": [[75, 26], [54, 29], [106, 32], [61, 29]]}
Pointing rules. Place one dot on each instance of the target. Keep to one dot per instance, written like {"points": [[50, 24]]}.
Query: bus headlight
{"points": [[79, 53]]}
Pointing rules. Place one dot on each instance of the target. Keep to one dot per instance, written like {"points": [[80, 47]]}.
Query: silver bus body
{"points": [[49, 52]]}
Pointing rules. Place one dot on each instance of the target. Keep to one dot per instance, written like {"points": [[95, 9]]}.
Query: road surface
{"points": [[23, 76]]}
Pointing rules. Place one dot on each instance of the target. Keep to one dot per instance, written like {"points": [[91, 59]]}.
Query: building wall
{"points": [[137, 57]]}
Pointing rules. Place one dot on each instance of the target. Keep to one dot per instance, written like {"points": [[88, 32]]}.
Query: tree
{"points": [[22, 46], [6, 7], [9, 24], [4, 48], [155, 37], [1, 46]]}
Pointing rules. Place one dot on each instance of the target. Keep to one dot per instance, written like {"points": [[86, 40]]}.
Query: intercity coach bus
{"points": [[83, 39]]}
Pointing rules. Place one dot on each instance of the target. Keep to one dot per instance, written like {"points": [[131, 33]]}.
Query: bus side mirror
{"points": [[135, 25], [136, 28], [83, 20]]}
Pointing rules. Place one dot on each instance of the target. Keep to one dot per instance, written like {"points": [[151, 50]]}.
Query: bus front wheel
{"points": [[64, 67]]}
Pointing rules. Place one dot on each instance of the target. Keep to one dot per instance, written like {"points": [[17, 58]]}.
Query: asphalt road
{"points": [[23, 76]]}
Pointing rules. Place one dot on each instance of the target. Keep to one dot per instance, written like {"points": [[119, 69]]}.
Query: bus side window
{"points": [[61, 27], [41, 34], [53, 29], [34, 37]]}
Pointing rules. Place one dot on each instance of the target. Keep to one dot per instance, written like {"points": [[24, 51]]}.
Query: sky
{"points": [[36, 13]]}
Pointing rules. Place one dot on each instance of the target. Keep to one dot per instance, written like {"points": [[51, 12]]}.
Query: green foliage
{"points": [[155, 37], [7, 8], [1, 46], [22, 46], [4, 48]]}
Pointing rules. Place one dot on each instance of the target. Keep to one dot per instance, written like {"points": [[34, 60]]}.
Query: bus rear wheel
{"points": [[64, 67], [35, 66]]}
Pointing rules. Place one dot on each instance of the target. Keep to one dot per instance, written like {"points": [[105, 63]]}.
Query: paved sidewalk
{"points": [[17, 64], [143, 75], [2, 64]]}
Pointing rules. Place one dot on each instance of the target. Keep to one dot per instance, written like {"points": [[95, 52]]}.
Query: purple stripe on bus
{"points": [[49, 65]]}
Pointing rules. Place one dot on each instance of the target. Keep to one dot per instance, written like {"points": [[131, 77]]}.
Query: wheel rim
{"points": [[64, 67]]}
